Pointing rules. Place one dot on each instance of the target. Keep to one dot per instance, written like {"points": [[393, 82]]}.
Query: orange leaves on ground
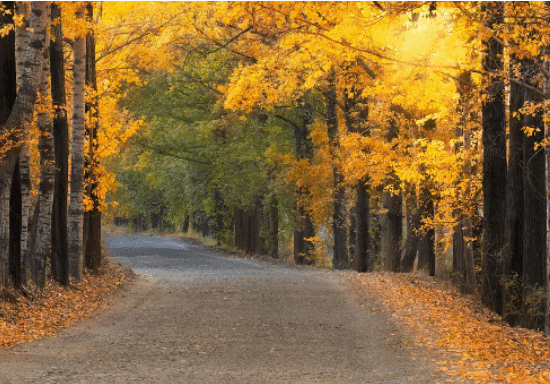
{"points": [[470, 340], [55, 307]]}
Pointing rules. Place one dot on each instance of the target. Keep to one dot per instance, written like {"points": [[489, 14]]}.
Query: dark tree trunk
{"points": [[362, 215], [8, 92], [426, 245], [59, 255], [352, 234], [392, 219], [534, 211], [303, 226], [356, 115], [340, 252], [92, 218], [494, 166], [185, 225], [513, 234], [464, 273], [17, 264], [274, 226], [410, 248]]}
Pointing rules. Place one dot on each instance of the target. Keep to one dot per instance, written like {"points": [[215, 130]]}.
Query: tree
{"points": [[340, 253], [59, 240], [92, 215], [7, 97], [76, 205], [40, 242], [535, 275], [494, 163], [19, 122]]}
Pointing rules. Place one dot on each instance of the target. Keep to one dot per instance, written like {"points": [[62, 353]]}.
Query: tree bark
{"points": [[274, 226], [392, 219], [303, 226], [464, 272], [23, 10], [410, 248], [534, 210], [513, 234], [494, 165], [340, 254], [356, 115], [8, 91], [92, 218], [76, 205], [18, 124], [41, 231]]}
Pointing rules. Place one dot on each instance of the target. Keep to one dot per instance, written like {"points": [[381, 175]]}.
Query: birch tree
{"points": [[19, 122], [41, 231], [76, 205]]}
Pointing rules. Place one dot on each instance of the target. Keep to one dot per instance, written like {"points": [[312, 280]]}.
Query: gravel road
{"points": [[198, 316]]}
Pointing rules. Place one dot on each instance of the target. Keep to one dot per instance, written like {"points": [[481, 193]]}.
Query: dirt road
{"points": [[199, 316]]}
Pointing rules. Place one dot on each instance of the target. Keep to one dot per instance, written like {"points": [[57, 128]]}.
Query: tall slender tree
{"points": [[22, 33], [76, 205], [534, 205], [92, 218], [40, 244], [19, 122], [8, 91], [340, 252], [494, 161], [59, 255]]}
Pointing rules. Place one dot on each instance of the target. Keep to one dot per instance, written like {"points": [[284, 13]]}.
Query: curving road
{"points": [[199, 316]]}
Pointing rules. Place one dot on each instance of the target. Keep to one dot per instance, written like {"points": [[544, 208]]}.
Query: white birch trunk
{"points": [[23, 8], [76, 205], [19, 122], [41, 232]]}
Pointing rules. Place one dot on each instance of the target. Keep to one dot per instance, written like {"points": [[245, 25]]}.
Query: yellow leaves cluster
{"points": [[469, 340], [55, 307]]}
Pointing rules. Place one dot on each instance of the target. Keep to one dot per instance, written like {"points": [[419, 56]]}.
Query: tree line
{"points": [[397, 136], [44, 230]]}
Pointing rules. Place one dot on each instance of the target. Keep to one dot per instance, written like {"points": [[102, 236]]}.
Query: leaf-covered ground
{"points": [[45, 313], [471, 342]]}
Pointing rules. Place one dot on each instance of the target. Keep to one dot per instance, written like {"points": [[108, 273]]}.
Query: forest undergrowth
{"points": [[45, 312], [471, 341]]}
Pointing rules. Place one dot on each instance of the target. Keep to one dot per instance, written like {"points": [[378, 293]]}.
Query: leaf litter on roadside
{"points": [[46, 312], [473, 343]]}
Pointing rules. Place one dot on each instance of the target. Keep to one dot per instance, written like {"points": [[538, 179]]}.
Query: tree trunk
{"points": [[464, 273], [76, 205], [362, 216], [8, 90], [274, 226], [340, 254], [41, 231], [494, 166], [92, 218], [356, 115], [534, 210], [410, 248], [426, 244], [392, 219], [23, 10], [513, 234], [19, 122], [303, 226]]}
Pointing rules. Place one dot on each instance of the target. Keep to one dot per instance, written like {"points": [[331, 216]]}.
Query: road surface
{"points": [[199, 316]]}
